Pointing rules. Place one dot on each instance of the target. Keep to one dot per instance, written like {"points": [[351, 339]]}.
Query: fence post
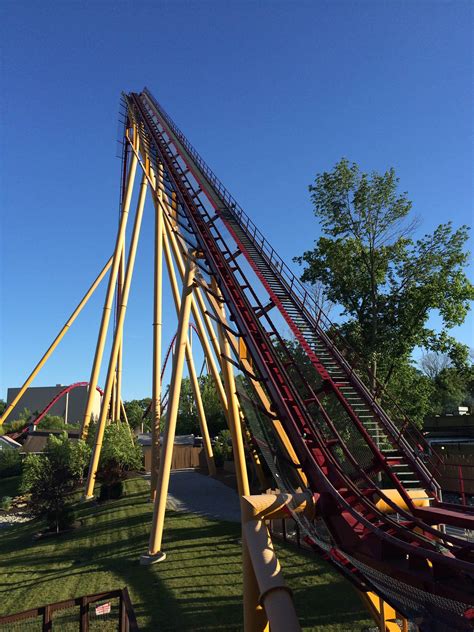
{"points": [[47, 623], [461, 484], [123, 626], [84, 614]]}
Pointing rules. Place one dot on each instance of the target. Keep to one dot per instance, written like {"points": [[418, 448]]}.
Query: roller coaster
{"points": [[357, 476]]}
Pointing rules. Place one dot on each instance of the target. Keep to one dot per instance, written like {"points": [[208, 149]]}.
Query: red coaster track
{"points": [[56, 398], [349, 448]]}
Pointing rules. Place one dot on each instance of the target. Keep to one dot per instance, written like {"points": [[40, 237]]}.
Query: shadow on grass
{"points": [[198, 587]]}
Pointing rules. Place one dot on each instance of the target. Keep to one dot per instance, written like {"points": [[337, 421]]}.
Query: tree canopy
{"points": [[136, 409], [188, 422], [387, 282]]}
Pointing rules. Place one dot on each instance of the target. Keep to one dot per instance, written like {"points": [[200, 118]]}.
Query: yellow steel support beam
{"points": [[118, 380], [116, 343], [157, 335], [233, 404], [383, 614], [211, 466], [275, 596], [418, 496], [56, 341], [220, 315], [99, 351], [190, 363], [240, 349], [255, 618], [155, 554], [113, 395], [198, 305], [201, 319]]}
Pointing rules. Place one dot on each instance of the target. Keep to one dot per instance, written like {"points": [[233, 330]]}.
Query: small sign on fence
{"points": [[105, 608]]}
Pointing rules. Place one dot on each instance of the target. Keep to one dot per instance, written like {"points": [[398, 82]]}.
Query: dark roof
{"points": [[36, 441], [11, 443]]}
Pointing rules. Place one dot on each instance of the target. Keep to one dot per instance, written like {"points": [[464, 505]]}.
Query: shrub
{"points": [[55, 422], [52, 422], [50, 477], [15, 426], [119, 454], [111, 491], [10, 462], [6, 503], [222, 448]]}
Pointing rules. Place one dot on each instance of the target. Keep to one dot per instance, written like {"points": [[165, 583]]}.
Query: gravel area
{"points": [[10, 519], [200, 494]]}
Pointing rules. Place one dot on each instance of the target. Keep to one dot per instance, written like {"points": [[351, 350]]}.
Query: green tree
{"points": [[119, 454], [412, 388], [188, 421], [10, 462], [13, 426], [387, 282], [55, 422], [51, 476], [136, 409]]}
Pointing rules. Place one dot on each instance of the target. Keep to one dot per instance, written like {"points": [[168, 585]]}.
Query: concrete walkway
{"points": [[200, 494]]}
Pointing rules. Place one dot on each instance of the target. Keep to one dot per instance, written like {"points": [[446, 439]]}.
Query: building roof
{"points": [[36, 441], [9, 442]]}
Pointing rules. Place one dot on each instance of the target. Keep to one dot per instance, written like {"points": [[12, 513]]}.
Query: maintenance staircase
{"points": [[344, 381], [410, 562]]}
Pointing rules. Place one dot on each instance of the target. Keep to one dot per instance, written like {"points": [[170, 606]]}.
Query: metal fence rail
{"points": [[111, 610]]}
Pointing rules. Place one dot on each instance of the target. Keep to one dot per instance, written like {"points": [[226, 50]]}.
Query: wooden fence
{"points": [[75, 614]]}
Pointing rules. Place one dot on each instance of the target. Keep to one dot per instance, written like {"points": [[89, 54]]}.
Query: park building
{"points": [[70, 406]]}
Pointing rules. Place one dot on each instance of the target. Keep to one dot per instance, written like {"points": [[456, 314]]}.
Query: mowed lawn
{"points": [[199, 586]]}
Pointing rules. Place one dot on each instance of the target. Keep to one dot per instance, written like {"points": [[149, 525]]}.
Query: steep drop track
{"points": [[348, 447]]}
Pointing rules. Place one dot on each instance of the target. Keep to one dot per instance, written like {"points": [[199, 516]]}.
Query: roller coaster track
{"points": [[56, 398], [347, 445]]}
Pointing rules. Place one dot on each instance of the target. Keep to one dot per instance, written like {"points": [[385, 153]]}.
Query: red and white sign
{"points": [[105, 608]]}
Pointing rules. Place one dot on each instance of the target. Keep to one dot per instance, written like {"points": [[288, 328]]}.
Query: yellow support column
{"points": [[111, 413], [211, 466], [155, 554], [168, 230], [104, 325], [198, 311], [190, 363], [116, 343], [56, 341], [157, 330], [118, 380], [255, 619], [383, 614]]}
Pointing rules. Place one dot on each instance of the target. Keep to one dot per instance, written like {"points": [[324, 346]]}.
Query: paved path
{"points": [[196, 493]]}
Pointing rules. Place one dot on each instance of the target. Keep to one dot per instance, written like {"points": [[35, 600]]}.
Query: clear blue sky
{"points": [[270, 93]]}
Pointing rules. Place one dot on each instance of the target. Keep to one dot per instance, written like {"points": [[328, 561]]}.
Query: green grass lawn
{"points": [[197, 588]]}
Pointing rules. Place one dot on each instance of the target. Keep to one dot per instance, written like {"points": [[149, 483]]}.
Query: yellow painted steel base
{"points": [[147, 559], [383, 614], [418, 496]]}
